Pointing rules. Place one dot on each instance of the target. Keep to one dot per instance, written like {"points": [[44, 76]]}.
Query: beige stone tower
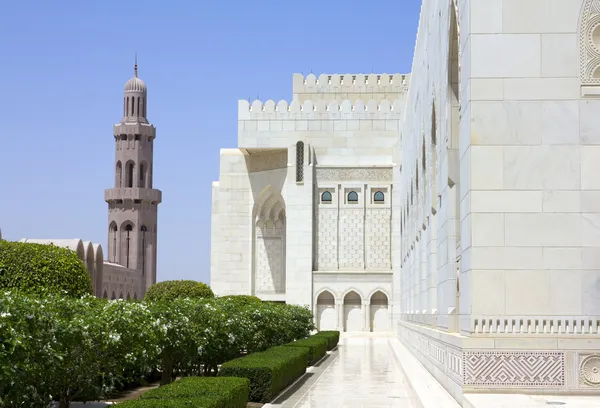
{"points": [[133, 203]]}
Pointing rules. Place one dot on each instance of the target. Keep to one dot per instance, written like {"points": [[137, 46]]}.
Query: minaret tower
{"points": [[133, 203]]}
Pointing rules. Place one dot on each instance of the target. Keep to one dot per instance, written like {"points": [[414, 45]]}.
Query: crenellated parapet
{"points": [[320, 110], [351, 83]]}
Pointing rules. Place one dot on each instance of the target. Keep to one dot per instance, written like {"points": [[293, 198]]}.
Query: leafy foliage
{"points": [[181, 289], [241, 300], [269, 371], [41, 269], [332, 336], [83, 349]]}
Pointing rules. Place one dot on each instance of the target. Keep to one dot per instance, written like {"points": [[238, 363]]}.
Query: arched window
{"points": [[144, 230], [113, 297], [138, 106], [128, 230], [326, 197], [130, 168], [113, 230], [127, 110], [128, 296], [135, 296], [105, 296], [379, 197], [121, 295], [299, 162], [142, 176], [119, 175], [353, 197]]}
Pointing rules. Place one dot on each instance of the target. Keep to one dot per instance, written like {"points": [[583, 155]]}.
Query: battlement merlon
{"points": [[320, 110], [350, 86]]}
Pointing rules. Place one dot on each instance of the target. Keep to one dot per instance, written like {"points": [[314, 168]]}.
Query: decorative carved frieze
{"points": [[383, 174], [589, 371], [510, 369]]}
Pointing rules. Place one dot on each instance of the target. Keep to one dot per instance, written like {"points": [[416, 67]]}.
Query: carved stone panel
{"points": [[589, 43], [354, 174], [351, 239], [327, 237], [266, 161], [378, 237]]}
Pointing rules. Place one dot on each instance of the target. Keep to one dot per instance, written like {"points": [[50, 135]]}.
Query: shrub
{"points": [[241, 300], [170, 290], [206, 402], [269, 371], [332, 336], [229, 392], [41, 269], [317, 347]]}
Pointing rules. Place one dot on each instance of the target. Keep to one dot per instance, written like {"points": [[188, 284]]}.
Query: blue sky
{"points": [[64, 65]]}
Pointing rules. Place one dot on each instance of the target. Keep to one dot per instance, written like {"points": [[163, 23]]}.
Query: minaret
{"points": [[133, 203]]}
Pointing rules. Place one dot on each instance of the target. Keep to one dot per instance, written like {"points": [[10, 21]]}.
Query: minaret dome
{"points": [[135, 99]]}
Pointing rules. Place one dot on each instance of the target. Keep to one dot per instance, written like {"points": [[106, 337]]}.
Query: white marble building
{"points": [[485, 246], [302, 211]]}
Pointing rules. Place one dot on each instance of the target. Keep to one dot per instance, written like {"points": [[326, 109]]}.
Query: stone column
{"points": [[339, 312], [367, 319]]}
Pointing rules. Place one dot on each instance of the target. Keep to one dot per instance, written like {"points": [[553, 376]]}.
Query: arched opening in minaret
{"points": [[119, 175], [129, 170], [138, 106], [144, 230], [269, 244], [143, 169], [127, 110], [112, 238], [127, 243]]}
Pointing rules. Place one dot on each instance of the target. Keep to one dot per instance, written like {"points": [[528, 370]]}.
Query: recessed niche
{"points": [[596, 36]]}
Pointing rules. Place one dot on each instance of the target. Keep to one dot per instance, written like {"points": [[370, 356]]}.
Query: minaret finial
{"points": [[135, 66]]}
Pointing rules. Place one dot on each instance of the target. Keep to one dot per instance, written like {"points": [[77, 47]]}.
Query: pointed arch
{"points": [[143, 179], [105, 296], [113, 232], [129, 173], [119, 175], [127, 243], [113, 297]]}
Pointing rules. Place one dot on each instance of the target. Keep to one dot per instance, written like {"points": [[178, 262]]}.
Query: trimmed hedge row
{"points": [[316, 346], [269, 371], [196, 392], [333, 338]]}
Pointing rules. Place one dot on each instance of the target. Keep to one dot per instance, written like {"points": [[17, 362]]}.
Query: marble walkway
{"points": [[362, 372]]}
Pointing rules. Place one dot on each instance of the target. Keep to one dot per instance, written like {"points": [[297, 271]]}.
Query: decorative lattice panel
{"points": [[327, 236], [378, 223], [351, 239]]}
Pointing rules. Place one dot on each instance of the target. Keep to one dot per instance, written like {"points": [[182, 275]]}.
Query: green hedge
{"points": [[40, 269], [206, 402], [317, 347], [269, 371], [178, 289], [333, 338], [228, 392], [241, 300]]}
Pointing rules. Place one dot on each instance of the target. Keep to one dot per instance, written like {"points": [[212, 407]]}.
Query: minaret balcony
{"points": [[135, 193]]}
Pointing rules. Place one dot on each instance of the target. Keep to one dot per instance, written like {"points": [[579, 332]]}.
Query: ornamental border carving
{"points": [[589, 52], [383, 174], [589, 370]]}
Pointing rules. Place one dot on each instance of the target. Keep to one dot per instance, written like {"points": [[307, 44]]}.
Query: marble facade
{"points": [[486, 243]]}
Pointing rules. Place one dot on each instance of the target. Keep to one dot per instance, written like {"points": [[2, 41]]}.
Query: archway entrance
{"points": [[379, 319], [269, 243], [352, 312], [326, 316]]}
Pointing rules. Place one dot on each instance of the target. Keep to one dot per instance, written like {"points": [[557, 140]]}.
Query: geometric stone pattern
{"points": [[589, 43], [446, 358], [514, 369], [354, 174], [589, 371], [378, 222], [327, 234], [351, 239]]}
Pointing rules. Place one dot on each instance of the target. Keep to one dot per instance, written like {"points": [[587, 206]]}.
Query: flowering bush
{"points": [[66, 349]]}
